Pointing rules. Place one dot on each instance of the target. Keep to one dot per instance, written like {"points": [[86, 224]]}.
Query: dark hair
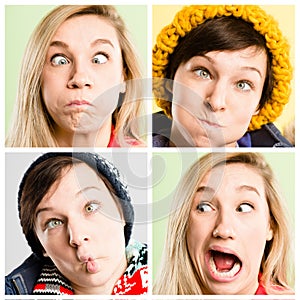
{"points": [[47, 170], [220, 34]]}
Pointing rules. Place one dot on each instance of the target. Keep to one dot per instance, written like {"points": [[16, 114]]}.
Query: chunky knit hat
{"points": [[192, 16], [101, 166]]}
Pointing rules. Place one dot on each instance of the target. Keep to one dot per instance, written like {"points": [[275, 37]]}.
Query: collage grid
{"points": [[152, 174]]}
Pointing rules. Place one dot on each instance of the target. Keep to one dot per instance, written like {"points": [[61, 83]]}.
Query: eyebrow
{"points": [[248, 188], [241, 188], [94, 43], [205, 189], [77, 194], [211, 60]]}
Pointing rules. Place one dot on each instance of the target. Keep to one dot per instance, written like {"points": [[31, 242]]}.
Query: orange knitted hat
{"points": [[192, 16]]}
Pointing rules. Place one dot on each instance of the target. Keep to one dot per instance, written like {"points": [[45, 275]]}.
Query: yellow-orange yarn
{"points": [[191, 16]]}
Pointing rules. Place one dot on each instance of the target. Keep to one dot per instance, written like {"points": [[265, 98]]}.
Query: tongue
{"points": [[224, 262]]}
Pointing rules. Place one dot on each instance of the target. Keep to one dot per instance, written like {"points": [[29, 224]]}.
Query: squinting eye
{"points": [[204, 207], [100, 59], [242, 85], [54, 223], [203, 73], [92, 207], [59, 60], [245, 208]]}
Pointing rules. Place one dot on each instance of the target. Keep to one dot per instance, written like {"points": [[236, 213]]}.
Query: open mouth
{"points": [[223, 265]]}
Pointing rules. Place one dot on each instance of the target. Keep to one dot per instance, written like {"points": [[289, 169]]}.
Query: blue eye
{"points": [[92, 207], [204, 207], [59, 60], [100, 58], [245, 208], [244, 85], [54, 223], [203, 73]]}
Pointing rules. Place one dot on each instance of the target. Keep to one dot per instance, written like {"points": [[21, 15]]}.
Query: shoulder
{"points": [[136, 254], [268, 136], [135, 279], [22, 279], [161, 128]]}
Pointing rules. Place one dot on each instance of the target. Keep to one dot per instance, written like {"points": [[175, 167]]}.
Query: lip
{"points": [[210, 124], [90, 264], [225, 250], [77, 102]]}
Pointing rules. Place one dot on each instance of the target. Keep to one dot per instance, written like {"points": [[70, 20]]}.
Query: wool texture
{"points": [[134, 281], [192, 16]]}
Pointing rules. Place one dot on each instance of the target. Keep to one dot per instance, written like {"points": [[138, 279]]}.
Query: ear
{"points": [[45, 254], [169, 86], [256, 112], [269, 235], [123, 87], [123, 83]]}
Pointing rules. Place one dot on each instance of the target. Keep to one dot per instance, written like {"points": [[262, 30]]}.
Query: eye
{"points": [[245, 208], [54, 223], [92, 207], [59, 60], [203, 73], [244, 85], [100, 58], [204, 207]]}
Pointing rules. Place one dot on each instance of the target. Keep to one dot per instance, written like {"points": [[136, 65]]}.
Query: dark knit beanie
{"points": [[101, 166]]}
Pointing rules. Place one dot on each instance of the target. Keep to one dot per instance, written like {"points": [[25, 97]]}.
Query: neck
{"points": [[96, 138]]}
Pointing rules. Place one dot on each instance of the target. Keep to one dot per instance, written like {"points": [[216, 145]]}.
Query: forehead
{"points": [[231, 176], [80, 177], [90, 27]]}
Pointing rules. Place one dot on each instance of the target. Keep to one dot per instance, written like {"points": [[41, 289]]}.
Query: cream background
{"points": [[163, 15]]}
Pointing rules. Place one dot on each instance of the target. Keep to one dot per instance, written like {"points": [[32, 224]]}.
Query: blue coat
{"points": [[267, 136], [21, 280]]}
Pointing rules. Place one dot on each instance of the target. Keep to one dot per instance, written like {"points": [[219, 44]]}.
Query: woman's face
{"points": [[228, 229], [83, 61], [216, 95], [81, 230]]}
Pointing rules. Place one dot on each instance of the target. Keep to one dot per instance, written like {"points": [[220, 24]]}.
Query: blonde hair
{"points": [[32, 124], [177, 274]]}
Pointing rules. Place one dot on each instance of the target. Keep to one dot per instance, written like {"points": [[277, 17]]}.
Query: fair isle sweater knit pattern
{"points": [[133, 282]]}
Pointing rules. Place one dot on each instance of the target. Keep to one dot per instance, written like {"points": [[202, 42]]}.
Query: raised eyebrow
{"points": [[252, 69], [87, 189], [248, 188], [42, 210], [59, 44], [205, 188], [102, 41]]}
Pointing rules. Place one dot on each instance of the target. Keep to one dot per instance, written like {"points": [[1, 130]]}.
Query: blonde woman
{"points": [[77, 83], [228, 232]]}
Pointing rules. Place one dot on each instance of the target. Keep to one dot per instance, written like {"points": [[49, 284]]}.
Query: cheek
{"points": [[196, 235], [51, 90]]}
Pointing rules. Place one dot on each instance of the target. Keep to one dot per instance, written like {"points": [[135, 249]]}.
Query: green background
{"points": [[168, 168], [20, 21]]}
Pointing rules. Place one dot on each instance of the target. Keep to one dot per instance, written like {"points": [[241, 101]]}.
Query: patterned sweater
{"points": [[134, 281]]}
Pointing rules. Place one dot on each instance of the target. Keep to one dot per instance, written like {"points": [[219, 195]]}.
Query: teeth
{"points": [[224, 274]]}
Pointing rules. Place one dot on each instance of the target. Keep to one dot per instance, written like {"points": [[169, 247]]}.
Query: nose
{"points": [[80, 77], [77, 235], [225, 228], [215, 98]]}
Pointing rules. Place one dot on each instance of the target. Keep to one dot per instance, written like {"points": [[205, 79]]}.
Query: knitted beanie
{"points": [[192, 16], [101, 166]]}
